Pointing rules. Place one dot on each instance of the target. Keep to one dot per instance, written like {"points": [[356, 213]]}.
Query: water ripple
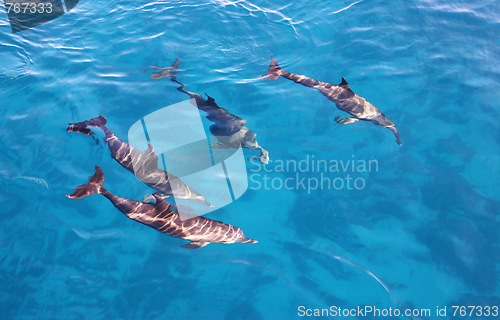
{"points": [[15, 61], [345, 8]]}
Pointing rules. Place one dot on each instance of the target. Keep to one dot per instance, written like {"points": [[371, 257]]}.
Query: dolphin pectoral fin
{"points": [[195, 245], [218, 145], [149, 197], [346, 121]]}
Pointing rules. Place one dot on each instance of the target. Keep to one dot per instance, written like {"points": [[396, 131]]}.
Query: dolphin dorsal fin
{"points": [[161, 204], [151, 160], [150, 149], [210, 99], [344, 84]]}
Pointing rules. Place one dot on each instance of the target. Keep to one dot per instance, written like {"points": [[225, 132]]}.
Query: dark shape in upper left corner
{"points": [[26, 14]]}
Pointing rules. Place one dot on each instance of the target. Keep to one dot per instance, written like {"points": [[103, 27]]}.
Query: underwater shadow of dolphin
{"points": [[230, 130], [160, 216], [144, 165], [343, 97]]}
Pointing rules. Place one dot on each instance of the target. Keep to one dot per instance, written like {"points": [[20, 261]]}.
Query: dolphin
{"points": [[343, 97], [144, 165], [167, 71], [229, 129], [160, 216]]}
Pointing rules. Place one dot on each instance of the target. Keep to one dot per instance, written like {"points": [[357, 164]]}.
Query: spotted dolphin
{"points": [[230, 130], [343, 97], [160, 216], [144, 165]]}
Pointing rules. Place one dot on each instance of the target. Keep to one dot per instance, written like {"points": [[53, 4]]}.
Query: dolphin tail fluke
{"points": [[92, 187], [264, 157], [82, 127], [274, 71]]}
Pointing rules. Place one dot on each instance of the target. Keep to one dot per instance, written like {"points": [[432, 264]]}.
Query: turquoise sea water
{"points": [[422, 233]]}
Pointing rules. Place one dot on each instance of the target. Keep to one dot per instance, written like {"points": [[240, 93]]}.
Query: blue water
{"points": [[422, 233]]}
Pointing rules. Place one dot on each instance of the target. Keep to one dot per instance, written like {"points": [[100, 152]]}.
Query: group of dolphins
{"points": [[231, 132]]}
